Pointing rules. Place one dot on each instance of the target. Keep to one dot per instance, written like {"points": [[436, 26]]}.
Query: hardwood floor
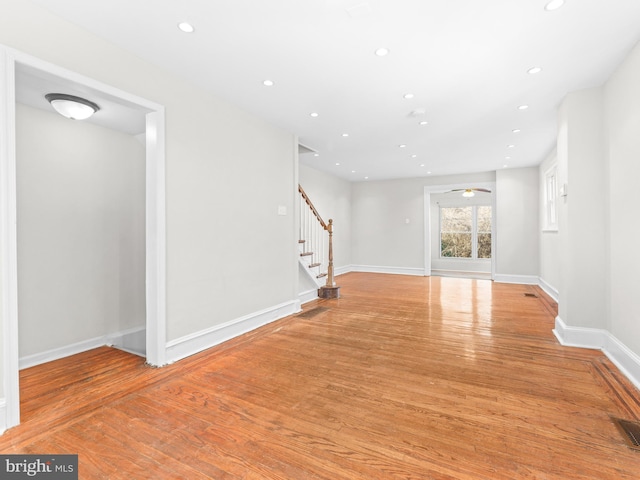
{"points": [[401, 378]]}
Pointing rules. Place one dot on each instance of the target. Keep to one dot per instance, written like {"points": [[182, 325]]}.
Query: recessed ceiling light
{"points": [[366, 178], [186, 27], [402, 145], [534, 70], [353, 171], [337, 164], [414, 155], [428, 173], [313, 114], [422, 164], [316, 154], [268, 83], [554, 5], [345, 134], [511, 146], [382, 52], [408, 96], [507, 158], [516, 130], [505, 166], [424, 122], [523, 107]]}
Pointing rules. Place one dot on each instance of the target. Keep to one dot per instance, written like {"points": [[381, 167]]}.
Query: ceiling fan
{"points": [[469, 192]]}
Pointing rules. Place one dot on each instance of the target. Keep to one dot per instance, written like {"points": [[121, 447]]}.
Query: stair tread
{"points": [[306, 254], [313, 265], [321, 275], [301, 241]]}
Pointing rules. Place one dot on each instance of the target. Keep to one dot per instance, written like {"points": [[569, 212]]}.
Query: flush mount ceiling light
{"points": [[554, 5], [72, 107]]}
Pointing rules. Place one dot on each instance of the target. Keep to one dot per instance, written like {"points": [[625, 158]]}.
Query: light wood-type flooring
{"points": [[400, 378]]}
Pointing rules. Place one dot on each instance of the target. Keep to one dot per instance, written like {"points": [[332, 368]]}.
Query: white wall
{"points": [[517, 237], [622, 114], [549, 240], [382, 238], [582, 218], [81, 231], [229, 254], [332, 198]]}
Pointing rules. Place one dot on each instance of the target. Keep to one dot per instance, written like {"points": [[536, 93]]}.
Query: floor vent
{"points": [[312, 312], [531, 295], [630, 431]]}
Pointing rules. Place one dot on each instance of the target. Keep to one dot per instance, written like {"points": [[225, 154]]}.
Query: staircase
{"points": [[315, 246]]}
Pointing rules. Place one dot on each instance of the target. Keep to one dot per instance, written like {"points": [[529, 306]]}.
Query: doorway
{"points": [[16, 68], [445, 198]]}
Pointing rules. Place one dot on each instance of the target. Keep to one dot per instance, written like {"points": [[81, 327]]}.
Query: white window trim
{"points": [[550, 222], [474, 230]]}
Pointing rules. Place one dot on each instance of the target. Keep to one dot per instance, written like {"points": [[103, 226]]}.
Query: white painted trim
{"points": [[196, 342], [623, 358], [155, 248], [8, 226], [428, 190], [78, 347], [3, 415], [519, 279], [342, 270], [598, 339], [308, 296], [390, 270], [551, 291], [132, 341]]}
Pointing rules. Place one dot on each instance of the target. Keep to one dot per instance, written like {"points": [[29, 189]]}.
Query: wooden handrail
{"points": [[313, 209]]}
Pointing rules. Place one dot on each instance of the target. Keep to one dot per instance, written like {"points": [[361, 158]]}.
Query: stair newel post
{"points": [[330, 281], [330, 290]]}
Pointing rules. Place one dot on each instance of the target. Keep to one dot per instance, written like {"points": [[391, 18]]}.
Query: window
{"points": [[465, 232], [551, 199]]}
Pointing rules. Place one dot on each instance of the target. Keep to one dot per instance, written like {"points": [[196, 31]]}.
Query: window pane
{"points": [[484, 245], [455, 245], [484, 219], [455, 219]]}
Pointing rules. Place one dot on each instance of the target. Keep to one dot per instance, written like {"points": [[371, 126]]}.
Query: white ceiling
{"points": [[465, 62]]}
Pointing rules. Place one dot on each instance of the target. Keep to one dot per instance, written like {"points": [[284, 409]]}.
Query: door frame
{"points": [[155, 222], [428, 190]]}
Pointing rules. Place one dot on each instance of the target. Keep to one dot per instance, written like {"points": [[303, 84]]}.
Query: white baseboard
{"points": [[520, 279], [199, 341], [551, 291], [391, 270], [308, 296], [598, 339], [3, 415], [133, 341], [127, 340], [342, 270], [61, 352]]}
